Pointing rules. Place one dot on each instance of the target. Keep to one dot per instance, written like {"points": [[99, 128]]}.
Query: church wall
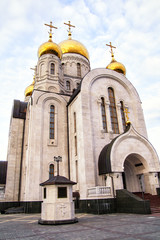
{"points": [[86, 174], [92, 90], [25, 151], [92, 137], [41, 150], [14, 159]]}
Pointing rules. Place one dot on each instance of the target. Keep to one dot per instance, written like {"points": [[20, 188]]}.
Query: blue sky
{"points": [[133, 26]]}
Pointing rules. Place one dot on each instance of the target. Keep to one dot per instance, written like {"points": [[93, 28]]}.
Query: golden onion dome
{"points": [[73, 46], [29, 89], [50, 47], [116, 66]]}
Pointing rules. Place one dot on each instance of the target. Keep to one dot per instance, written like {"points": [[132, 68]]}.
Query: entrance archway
{"points": [[134, 169]]}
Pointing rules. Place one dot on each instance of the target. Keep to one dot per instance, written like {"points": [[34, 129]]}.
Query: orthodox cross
{"points": [[34, 69], [126, 112], [69, 29], [111, 46], [58, 159], [51, 26]]}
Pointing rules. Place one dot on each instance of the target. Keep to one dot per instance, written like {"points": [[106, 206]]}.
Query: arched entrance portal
{"points": [[134, 169]]}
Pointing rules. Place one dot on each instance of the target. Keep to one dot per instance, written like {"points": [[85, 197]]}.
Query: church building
{"points": [[91, 119]]}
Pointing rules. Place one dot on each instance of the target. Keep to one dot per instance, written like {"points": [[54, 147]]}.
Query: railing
{"points": [[2, 193], [99, 191]]}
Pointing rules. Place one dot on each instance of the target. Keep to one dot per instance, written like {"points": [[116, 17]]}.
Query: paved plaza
{"points": [[109, 226]]}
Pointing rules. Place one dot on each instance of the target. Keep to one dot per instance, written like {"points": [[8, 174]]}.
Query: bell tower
{"points": [[48, 71]]}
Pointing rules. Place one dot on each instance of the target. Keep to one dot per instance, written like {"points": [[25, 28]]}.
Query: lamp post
{"points": [[58, 159]]}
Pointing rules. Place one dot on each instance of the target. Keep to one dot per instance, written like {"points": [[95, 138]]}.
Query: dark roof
{"points": [[19, 109], [104, 161], [57, 180], [3, 171], [75, 93]]}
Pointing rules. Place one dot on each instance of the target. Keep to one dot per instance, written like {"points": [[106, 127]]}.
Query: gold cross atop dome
{"points": [[50, 32], [69, 29], [111, 46], [127, 117]]}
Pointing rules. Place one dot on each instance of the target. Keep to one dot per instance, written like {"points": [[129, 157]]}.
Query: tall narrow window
{"points": [[52, 68], [44, 193], [123, 116], [75, 139], [62, 66], [113, 112], [68, 86], [51, 170], [78, 69], [75, 128], [41, 69], [103, 112], [76, 171], [52, 122]]}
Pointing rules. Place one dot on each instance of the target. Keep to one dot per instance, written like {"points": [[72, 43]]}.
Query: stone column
{"points": [[151, 182]]}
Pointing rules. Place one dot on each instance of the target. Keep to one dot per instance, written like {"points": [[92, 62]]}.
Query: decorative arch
{"points": [[130, 143]]}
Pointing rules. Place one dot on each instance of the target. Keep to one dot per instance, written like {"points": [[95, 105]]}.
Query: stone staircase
{"points": [[154, 201]]}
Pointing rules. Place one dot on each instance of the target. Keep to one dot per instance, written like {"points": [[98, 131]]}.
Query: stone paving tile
{"points": [[97, 227]]}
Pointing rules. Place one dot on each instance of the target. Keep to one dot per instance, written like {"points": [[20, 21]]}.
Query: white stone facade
{"points": [[79, 136]]}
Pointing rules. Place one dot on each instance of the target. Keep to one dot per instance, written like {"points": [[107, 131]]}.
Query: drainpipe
{"points": [[20, 174], [68, 145]]}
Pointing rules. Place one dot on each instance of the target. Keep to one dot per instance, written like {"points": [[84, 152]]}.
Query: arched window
{"points": [[52, 68], [62, 66], [42, 69], [103, 112], [123, 116], [78, 69], [52, 122], [68, 85], [113, 112], [51, 170]]}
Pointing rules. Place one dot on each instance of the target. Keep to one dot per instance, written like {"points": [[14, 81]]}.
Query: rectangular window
{"points": [[113, 112], [44, 193], [75, 129], [75, 139], [52, 121], [62, 192], [103, 113]]}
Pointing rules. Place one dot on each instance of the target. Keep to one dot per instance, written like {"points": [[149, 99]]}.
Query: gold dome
{"points": [[29, 89], [116, 66], [73, 46], [50, 47]]}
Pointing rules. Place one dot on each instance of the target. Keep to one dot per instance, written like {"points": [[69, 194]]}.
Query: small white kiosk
{"points": [[57, 206]]}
